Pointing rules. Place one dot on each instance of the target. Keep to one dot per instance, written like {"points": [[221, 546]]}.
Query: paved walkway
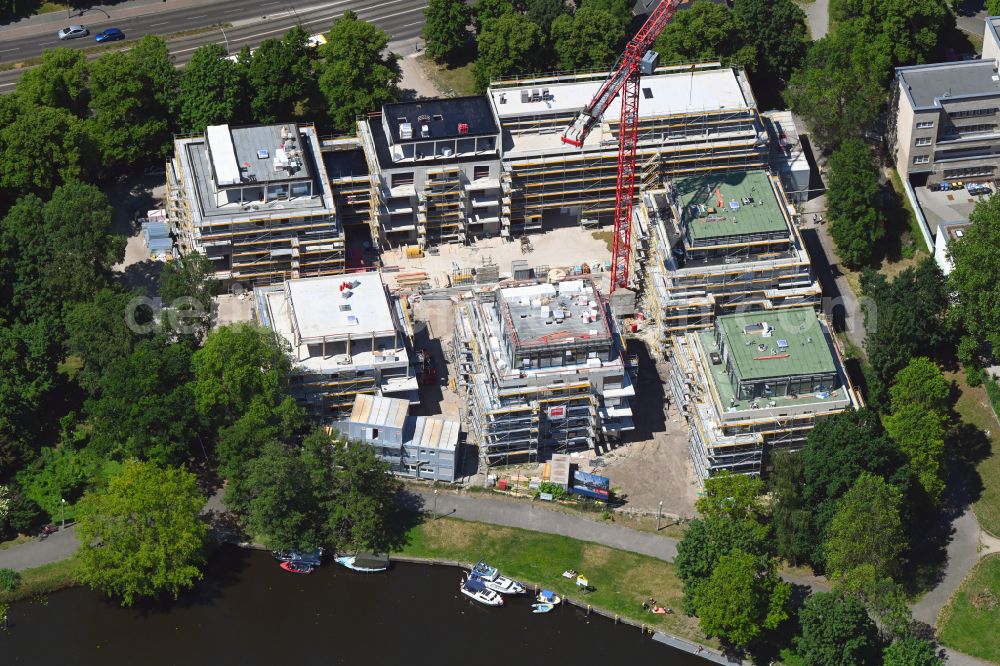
{"points": [[29, 554], [817, 17]]}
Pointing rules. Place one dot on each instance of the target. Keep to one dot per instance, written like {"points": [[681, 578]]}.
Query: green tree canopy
{"points": [[144, 535], [508, 45], [866, 529], [42, 148], [742, 598], [133, 99], [911, 28], [777, 29], [976, 256], [357, 74], [589, 39], [97, 332], [262, 423], [213, 90], [705, 541], [729, 495], [841, 85], [790, 516], [484, 11], [836, 631], [187, 288], [60, 82], [852, 199], [280, 78], [544, 12], [706, 31], [922, 383], [446, 28], [911, 651]]}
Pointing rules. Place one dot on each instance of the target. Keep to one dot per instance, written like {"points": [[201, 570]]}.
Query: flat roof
{"points": [[548, 313], [321, 308], [435, 432], [254, 153], [954, 230], [929, 85], [443, 116], [659, 95], [796, 346], [380, 411], [732, 217]]}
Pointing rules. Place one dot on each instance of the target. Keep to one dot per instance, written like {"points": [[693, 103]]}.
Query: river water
{"points": [[249, 612]]}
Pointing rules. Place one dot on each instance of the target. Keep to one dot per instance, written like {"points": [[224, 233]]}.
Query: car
{"points": [[110, 35], [73, 31], [316, 40]]}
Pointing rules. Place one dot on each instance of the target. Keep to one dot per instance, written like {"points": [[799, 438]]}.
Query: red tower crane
{"points": [[624, 79]]}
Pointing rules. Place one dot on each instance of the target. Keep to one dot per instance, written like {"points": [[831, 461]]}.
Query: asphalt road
{"points": [[401, 19]]}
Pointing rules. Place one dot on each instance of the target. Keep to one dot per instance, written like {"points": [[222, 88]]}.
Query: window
{"points": [[925, 124], [647, 93], [399, 179], [480, 172], [921, 159], [969, 172], [973, 113], [374, 433], [923, 141], [972, 129]]}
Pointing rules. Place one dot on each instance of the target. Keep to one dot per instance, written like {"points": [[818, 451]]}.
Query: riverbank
{"points": [[622, 580], [39, 581]]}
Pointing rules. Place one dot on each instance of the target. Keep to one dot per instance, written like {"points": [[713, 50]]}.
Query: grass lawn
{"points": [[19, 539], [969, 623], [974, 407], [623, 580], [450, 80], [44, 579]]}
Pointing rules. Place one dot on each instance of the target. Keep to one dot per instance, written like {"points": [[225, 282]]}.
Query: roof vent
{"points": [[425, 131], [405, 131]]}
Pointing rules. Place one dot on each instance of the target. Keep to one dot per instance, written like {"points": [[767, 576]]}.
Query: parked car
{"points": [[110, 35], [73, 31]]}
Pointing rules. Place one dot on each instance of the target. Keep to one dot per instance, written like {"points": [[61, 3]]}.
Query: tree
{"points": [[705, 541], [212, 91], [43, 148], [60, 82], [735, 496], [544, 12], [706, 31], [508, 45], [742, 597], [790, 517], [836, 631], [144, 535], [589, 39], [133, 99], [239, 365], [866, 529], [838, 450], [921, 383], [187, 288], [976, 256], [143, 406], [274, 497], [445, 28], [904, 318], [97, 332], [484, 11], [281, 79], [852, 199], [777, 29], [620, 9], [884, 598], [24, 253], [911, 651], [993, 7], [840, 87], [246, 438], [355, 76], [910, 27]]}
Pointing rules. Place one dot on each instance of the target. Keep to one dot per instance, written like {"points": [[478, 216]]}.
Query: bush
{"points": [[557, 491], [10, 580]]}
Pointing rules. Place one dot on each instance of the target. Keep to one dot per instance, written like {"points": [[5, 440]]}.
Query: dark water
{"points": [[250, 612]]}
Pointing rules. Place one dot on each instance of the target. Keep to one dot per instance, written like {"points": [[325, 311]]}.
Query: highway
{"points": [[401, 19]]}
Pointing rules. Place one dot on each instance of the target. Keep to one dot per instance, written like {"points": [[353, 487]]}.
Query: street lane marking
{"points": [[153, 25], [8, 50], [198, 16]]}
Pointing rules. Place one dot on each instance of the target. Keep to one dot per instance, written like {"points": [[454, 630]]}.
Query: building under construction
{"points": [[541, 369], [347, 336], [456, 169], [754, 382], [256, 201], [712, 244]]}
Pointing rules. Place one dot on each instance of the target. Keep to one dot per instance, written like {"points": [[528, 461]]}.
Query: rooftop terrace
{"points": [[791, 344], [442, 117], [555, 313], [732, 204]]}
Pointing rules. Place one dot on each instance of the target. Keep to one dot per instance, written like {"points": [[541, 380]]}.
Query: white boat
{"points": [[363, 562], [542, 608], [474, 588], [493, 580]]}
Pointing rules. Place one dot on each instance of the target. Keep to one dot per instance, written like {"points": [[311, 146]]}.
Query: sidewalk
{"points": [[56, 547]]}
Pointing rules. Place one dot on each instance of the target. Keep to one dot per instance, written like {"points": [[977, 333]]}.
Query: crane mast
{"points": [[624, 80]]}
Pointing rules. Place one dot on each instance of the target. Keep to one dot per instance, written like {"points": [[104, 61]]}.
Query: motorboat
{"points": [[549, 597], [296, 567], [364, 562], [542, 608], [493, 580], [313, 558], [475, 589]]}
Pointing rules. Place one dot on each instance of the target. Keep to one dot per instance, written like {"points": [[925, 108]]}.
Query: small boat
{"points": [[296, 567], [312, 558], [493, 580], [549, 597], [542, 608], [474, 588], [364, 562]]}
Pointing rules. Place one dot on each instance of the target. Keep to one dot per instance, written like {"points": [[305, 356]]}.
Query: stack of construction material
{"points": [[411, 281], [157, 239]]}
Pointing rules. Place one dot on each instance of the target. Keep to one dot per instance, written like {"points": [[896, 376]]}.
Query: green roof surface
{"points": [[808, 352], [763, 216]]}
